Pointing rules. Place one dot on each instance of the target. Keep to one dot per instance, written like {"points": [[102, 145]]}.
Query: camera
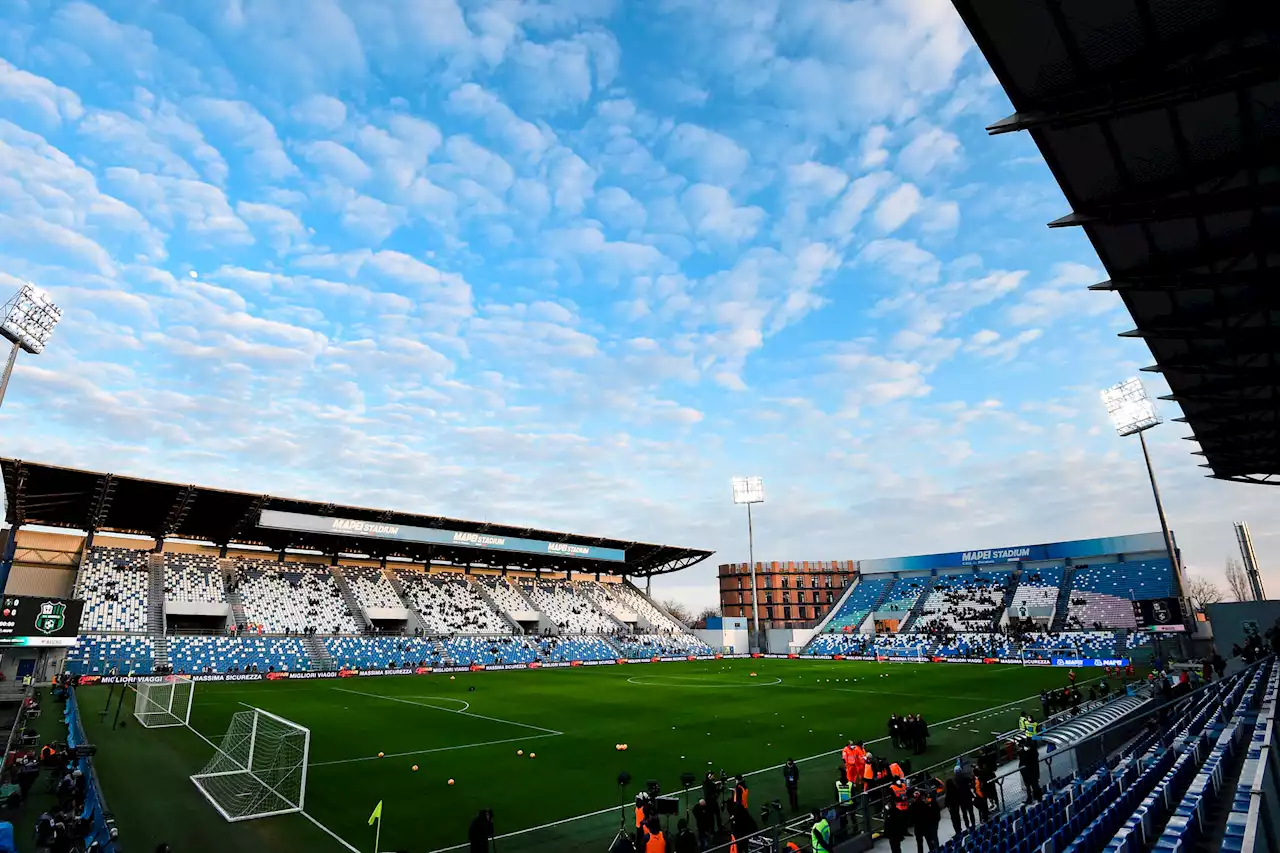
{"points": [[654, 788], [687, 779]]}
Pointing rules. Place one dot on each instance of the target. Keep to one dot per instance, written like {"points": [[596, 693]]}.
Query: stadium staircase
{"points": [[918, 607], [1010, 591], [353, 603], [321, 660], [1064, 599], [155, 609], [483, 591], [227, 568]]}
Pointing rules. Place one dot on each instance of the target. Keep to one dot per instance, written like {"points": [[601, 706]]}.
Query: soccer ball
{"points": [[519, 752], [753, 675], [533, 755], [415, 768], [452, 677], [624, 747], [450, 781], [380, 755]]}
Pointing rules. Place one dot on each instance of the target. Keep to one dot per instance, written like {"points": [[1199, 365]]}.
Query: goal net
{"points": [[164, 703], [259, 769]]}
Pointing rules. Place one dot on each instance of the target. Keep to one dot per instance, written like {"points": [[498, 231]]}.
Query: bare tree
{"points": [[1203, 591], [678, 611], [1240, 589], [700, 621]]}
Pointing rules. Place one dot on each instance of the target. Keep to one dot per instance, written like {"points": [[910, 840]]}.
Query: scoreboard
{"points": [[28, 620], [1162, 615]]}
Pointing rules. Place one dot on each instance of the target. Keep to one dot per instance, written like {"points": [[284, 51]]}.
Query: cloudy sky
{"points": [[573, 264]]}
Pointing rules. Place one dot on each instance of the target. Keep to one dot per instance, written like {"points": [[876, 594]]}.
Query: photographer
{"points": [[481, 831]]}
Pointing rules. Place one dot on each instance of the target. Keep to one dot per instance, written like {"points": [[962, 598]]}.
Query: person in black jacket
{"points": [[925, 815], [711, 794], [481, 831], [686, 841], [1029, 767], [791, 778], [704, 821], [953, 804], [895, 826]]}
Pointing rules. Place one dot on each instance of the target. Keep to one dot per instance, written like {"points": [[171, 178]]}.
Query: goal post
{"points": [[259, 769], [160, 704]]}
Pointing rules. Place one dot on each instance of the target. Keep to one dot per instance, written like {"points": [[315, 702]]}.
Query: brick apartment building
{"points": [[792, 594]]}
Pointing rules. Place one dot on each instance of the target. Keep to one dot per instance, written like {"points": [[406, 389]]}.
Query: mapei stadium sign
{"points": [[278, 520], [1137, 543]]}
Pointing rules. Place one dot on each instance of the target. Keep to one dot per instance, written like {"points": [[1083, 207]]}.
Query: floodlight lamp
{"points": [[1129, 407], [29, 318], [748, 490]]}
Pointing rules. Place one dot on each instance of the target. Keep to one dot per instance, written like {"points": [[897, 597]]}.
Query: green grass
{"points": [[674, 717]]}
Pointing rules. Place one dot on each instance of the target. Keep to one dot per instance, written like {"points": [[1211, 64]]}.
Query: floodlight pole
{"points": [[1164, 523], [8, 371], [755, 595]]}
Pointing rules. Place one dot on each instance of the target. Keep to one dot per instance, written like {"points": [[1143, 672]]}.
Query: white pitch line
{"points": [[327, 830], [632, 680], [335, 836], [677, 793], [448, 710], [427, 751]]}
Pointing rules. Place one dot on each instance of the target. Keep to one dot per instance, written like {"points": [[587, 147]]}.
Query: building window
{"points": [[784, 582], [815, 581], [768, 598], [830, 598], [786, 613]]}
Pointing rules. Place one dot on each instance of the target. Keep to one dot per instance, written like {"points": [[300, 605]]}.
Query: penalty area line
{"points": [[447, 710], [429, 751]]}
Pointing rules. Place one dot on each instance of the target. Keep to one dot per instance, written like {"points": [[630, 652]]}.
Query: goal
{"points": [[164, 703], [259, 769]]}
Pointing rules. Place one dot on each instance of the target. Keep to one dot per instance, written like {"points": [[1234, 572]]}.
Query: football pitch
{"points": [[562, 793]]}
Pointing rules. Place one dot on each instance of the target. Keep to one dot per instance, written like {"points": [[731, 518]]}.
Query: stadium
{"points": [[192, 668]]}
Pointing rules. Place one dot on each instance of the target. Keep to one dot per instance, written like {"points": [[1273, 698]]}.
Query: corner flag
{"points": [[377, 813]]}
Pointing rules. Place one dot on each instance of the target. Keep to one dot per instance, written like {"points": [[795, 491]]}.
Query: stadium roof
{"points": [[1161, 123], [51, 496]]}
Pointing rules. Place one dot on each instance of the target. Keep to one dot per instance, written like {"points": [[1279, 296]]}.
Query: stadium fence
{"points": [[102, 830]]}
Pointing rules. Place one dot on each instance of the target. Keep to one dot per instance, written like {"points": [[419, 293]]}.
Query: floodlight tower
{"points": [[27, 321], [1131, 411], [750, 490]]}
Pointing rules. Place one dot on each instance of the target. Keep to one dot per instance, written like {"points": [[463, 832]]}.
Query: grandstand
{"points": [[1058, 596], [193, 578], [451, 605], [1101, 594], [257, 598], [114, 583]]}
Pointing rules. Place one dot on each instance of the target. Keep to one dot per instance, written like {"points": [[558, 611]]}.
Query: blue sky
{"points": [[572, 263]]}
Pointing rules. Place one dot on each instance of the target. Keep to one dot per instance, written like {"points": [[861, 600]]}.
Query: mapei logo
{"points": [[369, 527], [566, 548], [478, 539], [52, 617]]}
